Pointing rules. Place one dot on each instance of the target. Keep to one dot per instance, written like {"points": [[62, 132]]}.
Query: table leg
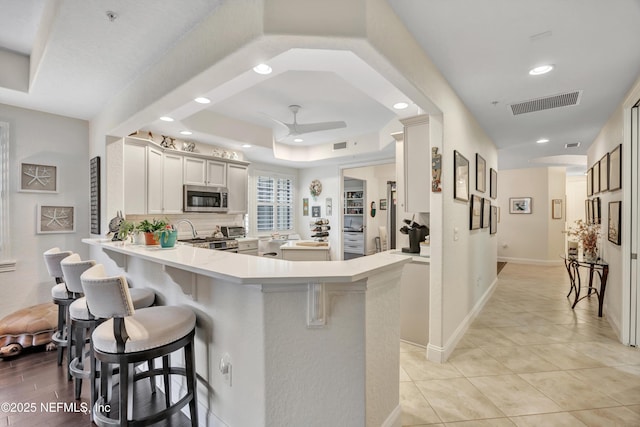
{"points": [[603, 287]]}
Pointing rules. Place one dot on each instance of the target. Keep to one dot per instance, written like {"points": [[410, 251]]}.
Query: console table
{"points": [[599, 267]]}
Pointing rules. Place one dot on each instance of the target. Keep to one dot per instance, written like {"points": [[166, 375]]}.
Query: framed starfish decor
{"points": [[56, 219], [38, 178]]}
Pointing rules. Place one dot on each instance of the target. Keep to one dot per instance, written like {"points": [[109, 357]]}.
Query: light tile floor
{"points": [[527, 360]]}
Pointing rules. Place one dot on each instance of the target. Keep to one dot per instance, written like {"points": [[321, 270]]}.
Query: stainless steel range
{"points": [[217, 243]]}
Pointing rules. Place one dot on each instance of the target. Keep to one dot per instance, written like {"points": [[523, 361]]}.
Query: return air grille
{"points": [[572, 145], [546, 103], [340, 145]]}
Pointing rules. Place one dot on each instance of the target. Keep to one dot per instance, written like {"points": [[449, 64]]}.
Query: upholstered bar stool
{"points": [[61, 297], [131, 336], [82, 321]]}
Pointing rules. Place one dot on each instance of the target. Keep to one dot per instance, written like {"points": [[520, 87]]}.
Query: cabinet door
{"points": [[237, 183], [195, 171], [172, 184], [135, 171], [154, 181], [216, 173], [417, 164]]}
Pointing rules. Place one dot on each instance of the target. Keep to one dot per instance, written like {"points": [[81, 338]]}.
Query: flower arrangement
{"points": [[587, 234], [315, 188]]}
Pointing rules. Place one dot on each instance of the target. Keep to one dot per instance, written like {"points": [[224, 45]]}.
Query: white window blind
{"points": [[274, 203]]}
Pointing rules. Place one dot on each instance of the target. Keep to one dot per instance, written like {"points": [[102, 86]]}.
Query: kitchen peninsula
{"points": [[305, 341]]}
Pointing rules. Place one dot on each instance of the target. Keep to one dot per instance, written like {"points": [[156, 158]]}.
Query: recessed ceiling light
{"points": [[202, 100], [262, 69], [542, 69], [400, 105], [166, 119], [298, 140], [186, 132], [246, 145], [542, 141]]}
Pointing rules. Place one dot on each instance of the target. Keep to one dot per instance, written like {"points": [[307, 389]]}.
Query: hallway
{"points": [[527, 360]]}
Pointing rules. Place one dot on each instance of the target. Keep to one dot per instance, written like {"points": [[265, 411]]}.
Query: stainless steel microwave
{"points": [[199, 198]]}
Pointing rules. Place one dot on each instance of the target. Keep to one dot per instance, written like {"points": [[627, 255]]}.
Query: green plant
{"points": [[147, 226], [125, 229]]}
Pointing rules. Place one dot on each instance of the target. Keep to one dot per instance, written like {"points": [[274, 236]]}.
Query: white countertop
{"points": [[425, 259], [249, 269], [293, 244]]}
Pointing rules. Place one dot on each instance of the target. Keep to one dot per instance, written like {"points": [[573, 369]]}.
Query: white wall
{"points": [[576, 195], [42, 138]]}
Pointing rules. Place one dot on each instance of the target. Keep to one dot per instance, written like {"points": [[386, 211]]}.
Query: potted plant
{"points": [[126, 229], [587, 235], [149, 228], [166, 236]]}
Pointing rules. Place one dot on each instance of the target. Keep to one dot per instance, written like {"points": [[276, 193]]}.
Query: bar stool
{"points": [[61, 297], [130, 336], [82, 321]]}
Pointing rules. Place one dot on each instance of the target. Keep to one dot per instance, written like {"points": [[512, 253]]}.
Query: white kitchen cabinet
{"points": [[172, 183], [248, 246], [353, 242], [417, 163], [414, 303], [237, 183], [154, 181], [212, 173], [135, 178]]}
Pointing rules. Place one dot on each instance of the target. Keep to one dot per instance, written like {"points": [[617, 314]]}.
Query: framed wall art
{"points": [[460, 177], [604, 172], [590, 182], [486, 211], [596, 210], [615, 168], [481, 174], [493, 220], [55, 219], [493, 183], [596, 178], [383, 204], [329, 206], [520, 205], [615, 218], [38, 178], [588, 211], [315, 211], [476, 213], [305, 206], [556, 209]]}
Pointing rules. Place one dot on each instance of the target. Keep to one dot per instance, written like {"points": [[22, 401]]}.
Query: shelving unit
{"points": [[354, 218]]}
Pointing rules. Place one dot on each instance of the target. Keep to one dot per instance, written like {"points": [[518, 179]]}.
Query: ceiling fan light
{"points": [[186, 132], [298, 140], [542, 141], [400, 105], [202, 100], [246, 145], [262, 69], [166, 119], [542, 69]]}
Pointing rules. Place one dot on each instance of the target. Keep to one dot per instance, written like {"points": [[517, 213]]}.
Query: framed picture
{"points": [[588, 211], [476, 213], [520, 205], [615, 168], [590, 182], [383, 204], [486, 211], [615, 218], [493, 220], [329, 206], [596, 210], [493, 183], [604, 173], [305, 206], [556, 209], [481, 174], [315, 211], [55, 219], [596, 178], [38, 178], [460, 177]]}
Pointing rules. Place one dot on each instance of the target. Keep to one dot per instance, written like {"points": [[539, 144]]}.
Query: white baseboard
{"points": [[441, 354], [531, 261], [394, 418]]}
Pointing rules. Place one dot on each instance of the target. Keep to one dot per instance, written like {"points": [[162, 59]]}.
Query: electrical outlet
{"points": [[226, 368]]}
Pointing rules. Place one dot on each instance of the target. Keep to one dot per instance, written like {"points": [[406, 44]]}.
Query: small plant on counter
{"points": [[149, 228], [166, 236], [126, 229]]}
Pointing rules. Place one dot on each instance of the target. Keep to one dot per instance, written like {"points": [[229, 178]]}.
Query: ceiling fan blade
{"points": [[300, 129]]}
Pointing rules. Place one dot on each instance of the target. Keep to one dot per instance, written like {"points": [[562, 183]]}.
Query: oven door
{"points": [[205, 199]]}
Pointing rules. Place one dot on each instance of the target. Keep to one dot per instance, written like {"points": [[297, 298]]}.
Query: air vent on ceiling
{"points": [[548, 102], [572, 145], [340, 145]]}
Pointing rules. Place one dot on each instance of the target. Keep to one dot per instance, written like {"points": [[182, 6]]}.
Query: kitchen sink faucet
{"points": [[193, 229]]}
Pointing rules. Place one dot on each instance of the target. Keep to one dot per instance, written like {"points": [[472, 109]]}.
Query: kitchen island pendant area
{"points": [[304, 340]]}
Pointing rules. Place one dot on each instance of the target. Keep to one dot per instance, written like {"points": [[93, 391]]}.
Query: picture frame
{"points": [[481, 174], [597, 214], [590, 182], [475, 221], [305, 206], [493, 183], [615, 168], [383, 204], [493, 220], [329, 206], [460, 177], [615, 219], [37, 178], [588, 211], [604, 173], [52, 219], [486, 211], [520, 205], [315, 211], [556, 209], [596, 178]]}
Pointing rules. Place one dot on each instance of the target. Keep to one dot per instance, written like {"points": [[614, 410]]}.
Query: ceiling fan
{"points": [[296, 128]]}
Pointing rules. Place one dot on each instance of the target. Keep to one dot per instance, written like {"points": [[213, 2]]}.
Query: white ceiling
{"points": [[483, 48]]}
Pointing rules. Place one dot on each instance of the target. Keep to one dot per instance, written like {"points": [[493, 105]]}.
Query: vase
{"points": [[168, 238], [591, 255], [150, 239]]}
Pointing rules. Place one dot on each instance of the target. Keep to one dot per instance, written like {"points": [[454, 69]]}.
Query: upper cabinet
{"points": [[199, 171], [417, 163], [238, 185], [135, 178]]}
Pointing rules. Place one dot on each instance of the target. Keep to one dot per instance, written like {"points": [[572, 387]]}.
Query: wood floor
{"points": [[34, 392]]}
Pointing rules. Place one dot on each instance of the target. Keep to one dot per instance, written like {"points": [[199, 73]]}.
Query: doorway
{"points": [[634, 232]]}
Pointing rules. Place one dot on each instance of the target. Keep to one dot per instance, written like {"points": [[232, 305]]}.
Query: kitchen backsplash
{"points": [[204, 223]]}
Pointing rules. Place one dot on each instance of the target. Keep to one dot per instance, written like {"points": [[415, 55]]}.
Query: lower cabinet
{"points": [[248, 246], [353, 242]]}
